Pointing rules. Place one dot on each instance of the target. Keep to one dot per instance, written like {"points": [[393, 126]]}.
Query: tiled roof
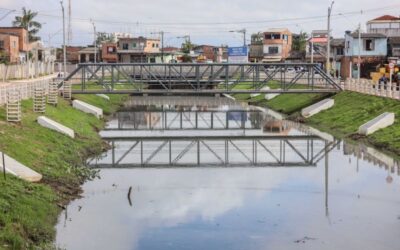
{"points": [[386, 18]]}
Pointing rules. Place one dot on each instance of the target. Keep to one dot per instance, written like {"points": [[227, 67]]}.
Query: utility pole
{"points": [[328, 49], [64, 48], [312, 46], [95, 41], [161, 33], [359, 54], [69, 38]]}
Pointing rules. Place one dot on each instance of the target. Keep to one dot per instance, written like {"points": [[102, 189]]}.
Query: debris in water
{"points": [[129, 196], [79, 208], [304, 239]]}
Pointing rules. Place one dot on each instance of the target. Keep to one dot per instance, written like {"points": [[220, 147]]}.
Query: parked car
{"points": [[290, 70], [270, 68]]}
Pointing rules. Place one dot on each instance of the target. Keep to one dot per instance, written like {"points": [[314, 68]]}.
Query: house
{"points": [[41, 53], [23, 43], [277, 45], [256, 50], [206, 52], [72, 53], [337, 53], [316, 47], [9, 48], [390, 27], [139, 49], [88, 54], [386, 25], [373, 51], [109, 52]]}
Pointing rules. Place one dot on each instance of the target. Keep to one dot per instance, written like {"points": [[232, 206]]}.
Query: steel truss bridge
{"points": [[199, 78], [250, 151]]}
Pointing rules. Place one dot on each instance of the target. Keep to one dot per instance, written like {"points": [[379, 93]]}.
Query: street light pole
{"points": [[64, 48], [328, 49], [95, 41]]}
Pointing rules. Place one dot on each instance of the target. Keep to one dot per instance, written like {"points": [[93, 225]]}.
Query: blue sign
{"points": [[237, 51]]}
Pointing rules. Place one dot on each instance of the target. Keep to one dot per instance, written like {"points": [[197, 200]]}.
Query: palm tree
{"points": [[26, 21]]}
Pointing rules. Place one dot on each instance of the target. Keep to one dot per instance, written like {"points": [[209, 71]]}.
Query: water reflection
{"points": [[340, 200]]}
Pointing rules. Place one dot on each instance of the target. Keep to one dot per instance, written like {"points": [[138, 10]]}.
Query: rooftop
{"points": [[277, 30], [386, 18], [368, 35]]}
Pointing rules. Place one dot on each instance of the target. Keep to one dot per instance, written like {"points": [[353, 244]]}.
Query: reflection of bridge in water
{"points": [[224, 150], [184, 119]]}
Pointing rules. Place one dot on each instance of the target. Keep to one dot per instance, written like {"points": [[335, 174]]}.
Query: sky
{"points": [[206, 21]]}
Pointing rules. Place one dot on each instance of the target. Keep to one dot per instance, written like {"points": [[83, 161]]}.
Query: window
{"points": [[134, 45], [339, 51], [125, 46], [14, 44], [272, 36], [111, 49], [369, 45], [1, 44], [153, 45], [157, 45], [273, 50]]}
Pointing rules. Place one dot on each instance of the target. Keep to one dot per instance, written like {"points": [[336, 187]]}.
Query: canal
{"points": [[211, 173]]}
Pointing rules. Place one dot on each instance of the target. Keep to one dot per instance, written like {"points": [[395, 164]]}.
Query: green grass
{"points": [[353, 109], [284, 103], [29, 211]]}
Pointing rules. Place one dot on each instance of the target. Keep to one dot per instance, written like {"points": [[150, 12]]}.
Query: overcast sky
{"points": [[206, 21]]}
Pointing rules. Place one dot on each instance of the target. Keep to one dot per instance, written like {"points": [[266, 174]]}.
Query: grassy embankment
{"points": [[29, 211], [351, 110]]}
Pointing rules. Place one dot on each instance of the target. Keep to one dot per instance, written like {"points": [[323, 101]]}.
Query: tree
{"points": [[27, 21], [104, 37], [187, 46], [300, 42], [257, 38]]}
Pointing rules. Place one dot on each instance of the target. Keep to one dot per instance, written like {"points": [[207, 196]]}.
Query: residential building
{"points": [[87, 55], [109, 52], [9, 48], [23, 43], [206, 52], [138, 49], [394, 47], [72, 54], [337, 53], [316, 48], [373, 51], [386, 25], [256, 51], [390, 27], [41, 53], [277, 45]]}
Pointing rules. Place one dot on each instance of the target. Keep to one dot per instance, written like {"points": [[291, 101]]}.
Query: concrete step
{"points": [[384, 120], [18, 169], [317, 107], [53, 125], [87, 108]]}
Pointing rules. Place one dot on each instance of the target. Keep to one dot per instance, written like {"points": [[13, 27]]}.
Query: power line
{"points": [[183, 23]]}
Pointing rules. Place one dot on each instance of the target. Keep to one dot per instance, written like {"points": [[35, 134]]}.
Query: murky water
{"points": [[226, 176]]}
